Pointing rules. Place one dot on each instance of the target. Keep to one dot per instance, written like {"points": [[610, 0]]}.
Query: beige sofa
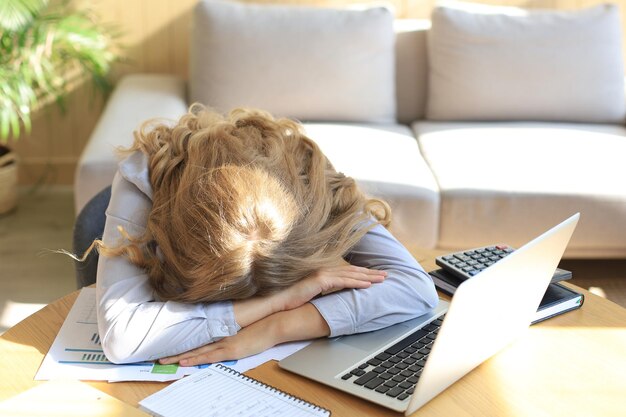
{"points": [[417, 114]]}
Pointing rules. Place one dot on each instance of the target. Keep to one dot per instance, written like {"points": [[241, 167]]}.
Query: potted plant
{"points": [[43, 49]]}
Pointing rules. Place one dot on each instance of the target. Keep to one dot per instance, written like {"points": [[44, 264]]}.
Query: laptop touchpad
{"points": [[372, 340]]}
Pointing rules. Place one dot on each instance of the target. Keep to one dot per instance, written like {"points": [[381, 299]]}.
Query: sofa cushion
{"points": [[386, 163], [307, 63], [508, 182], [500, 63]]}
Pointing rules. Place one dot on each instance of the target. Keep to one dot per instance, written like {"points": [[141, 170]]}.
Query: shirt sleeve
{"points": [[132, 325], [407, 292]]}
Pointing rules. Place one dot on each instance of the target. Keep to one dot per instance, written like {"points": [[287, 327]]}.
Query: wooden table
{"points": [[571, 365]]}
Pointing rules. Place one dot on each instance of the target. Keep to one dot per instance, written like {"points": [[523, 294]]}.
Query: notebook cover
{"points": [[558, 298], [448, 282], [445, 281]]}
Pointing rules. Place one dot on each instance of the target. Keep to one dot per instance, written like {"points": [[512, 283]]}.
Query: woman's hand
{"points": [[250, 340], [327, 280], [301, 323], [322, 281]]}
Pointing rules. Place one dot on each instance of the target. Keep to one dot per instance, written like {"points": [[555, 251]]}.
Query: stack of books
{"points": [[558, 298]]}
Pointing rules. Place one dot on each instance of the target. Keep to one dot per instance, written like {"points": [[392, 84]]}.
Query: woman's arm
{"points": [[298, 320], [301, 323], [322, 281], [408, 291]]}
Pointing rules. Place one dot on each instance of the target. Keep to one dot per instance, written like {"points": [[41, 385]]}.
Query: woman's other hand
{"points": [[327, 280], [322, 281]]}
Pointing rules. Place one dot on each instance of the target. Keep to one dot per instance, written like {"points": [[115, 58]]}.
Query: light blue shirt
{"points": [[134, 326]]}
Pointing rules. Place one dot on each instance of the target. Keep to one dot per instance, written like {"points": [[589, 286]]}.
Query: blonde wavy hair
{"points": [[243, 204]]}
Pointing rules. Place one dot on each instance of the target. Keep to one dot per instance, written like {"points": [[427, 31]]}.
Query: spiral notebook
{"points": [[222, 391]]}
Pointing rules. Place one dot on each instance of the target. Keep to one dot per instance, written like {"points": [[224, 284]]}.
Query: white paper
{"points": [[77, 353], [276, 353], [215, 392]]}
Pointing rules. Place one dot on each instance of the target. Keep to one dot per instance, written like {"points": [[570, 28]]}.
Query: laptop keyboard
{"points": [[395, 371]]}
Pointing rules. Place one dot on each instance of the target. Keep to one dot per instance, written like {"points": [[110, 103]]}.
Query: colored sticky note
{"points": [[164, 369]]}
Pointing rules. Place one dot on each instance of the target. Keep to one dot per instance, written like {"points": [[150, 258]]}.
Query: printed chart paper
{"points": [[76, 353]]}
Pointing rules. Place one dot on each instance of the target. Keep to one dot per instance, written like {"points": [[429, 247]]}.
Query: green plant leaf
{"points": [[16, 14], [38, 62], [15, 124], [5, 124]]}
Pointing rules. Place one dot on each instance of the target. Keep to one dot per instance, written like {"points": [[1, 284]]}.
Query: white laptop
{"points": [[402, 368]]}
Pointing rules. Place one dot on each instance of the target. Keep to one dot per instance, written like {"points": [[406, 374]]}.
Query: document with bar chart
{"points": [[77, 354]]}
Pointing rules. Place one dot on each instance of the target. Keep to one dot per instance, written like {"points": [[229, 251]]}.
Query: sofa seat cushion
{"points": [[386, 162], [507, 182]]}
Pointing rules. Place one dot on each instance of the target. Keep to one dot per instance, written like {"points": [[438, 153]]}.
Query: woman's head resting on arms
{"points": [[243, 204]]}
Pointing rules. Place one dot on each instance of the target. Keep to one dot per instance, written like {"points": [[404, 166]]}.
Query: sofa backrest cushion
{"points": [[511, 64], [303, 62]]}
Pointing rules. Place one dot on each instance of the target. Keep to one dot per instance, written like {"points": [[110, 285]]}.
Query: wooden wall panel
{"points": [[156, 38]]}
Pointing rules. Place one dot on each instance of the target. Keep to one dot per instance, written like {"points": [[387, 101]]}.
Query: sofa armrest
{"points": [[136, 98]]}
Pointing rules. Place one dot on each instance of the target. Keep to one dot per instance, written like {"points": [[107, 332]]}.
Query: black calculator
{"points": [[466, 264]]}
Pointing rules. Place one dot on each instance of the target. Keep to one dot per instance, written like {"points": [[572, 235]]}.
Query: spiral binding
{"points": [[272, 389]]}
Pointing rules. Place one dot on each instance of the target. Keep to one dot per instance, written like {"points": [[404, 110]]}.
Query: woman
{"points": [[225, 236]]}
